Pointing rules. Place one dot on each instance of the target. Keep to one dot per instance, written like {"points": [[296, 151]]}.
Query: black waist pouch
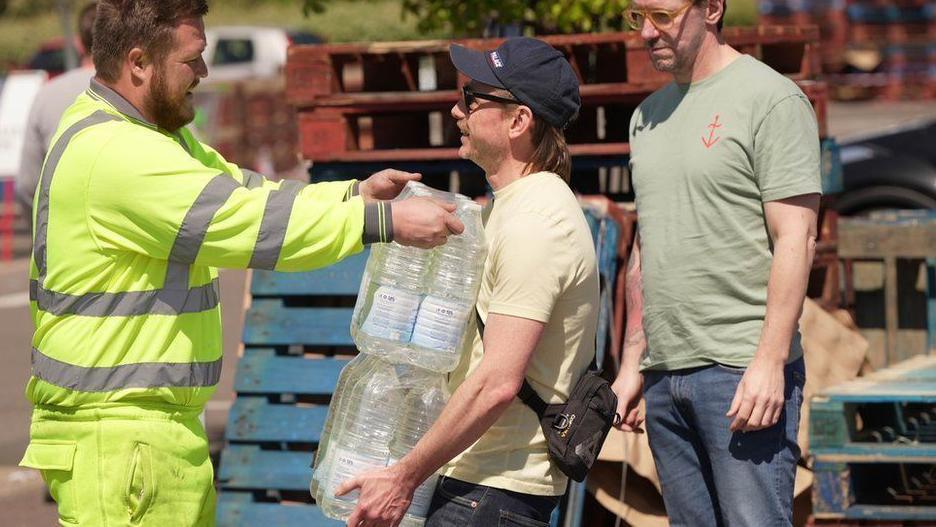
{"points": [[574, 430]]}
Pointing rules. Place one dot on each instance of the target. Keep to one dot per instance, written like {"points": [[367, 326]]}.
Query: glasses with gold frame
{"points": [[661, 19]]}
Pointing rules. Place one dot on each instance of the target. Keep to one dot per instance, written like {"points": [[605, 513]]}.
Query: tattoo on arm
{"points": [[633, 332]]}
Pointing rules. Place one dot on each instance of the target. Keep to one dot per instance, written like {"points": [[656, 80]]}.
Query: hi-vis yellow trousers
{"points": [[124, 466]]}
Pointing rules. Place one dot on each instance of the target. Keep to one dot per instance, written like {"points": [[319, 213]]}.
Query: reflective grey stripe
{"points": [[198, 218], [48, 170], [378, 222], [273, 226], [175, 297], [127, 304], [140, 375], [252, 179]]}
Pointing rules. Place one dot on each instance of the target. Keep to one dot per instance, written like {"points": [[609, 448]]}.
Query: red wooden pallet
{"points": [[420, 126], [346, 74]]}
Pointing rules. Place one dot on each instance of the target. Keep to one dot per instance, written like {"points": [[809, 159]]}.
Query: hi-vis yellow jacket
{"points": [[131, 224]]}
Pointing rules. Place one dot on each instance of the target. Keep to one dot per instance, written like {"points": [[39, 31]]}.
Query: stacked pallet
{"points": [[250, 123], [873, 442], [296, 341], [871, 48], [363, 107]]}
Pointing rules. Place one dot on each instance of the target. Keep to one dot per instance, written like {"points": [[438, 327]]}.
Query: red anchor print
{"points": [[711, 138]]}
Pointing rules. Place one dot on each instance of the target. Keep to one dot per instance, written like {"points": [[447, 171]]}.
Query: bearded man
{"points": [[133, 219]]}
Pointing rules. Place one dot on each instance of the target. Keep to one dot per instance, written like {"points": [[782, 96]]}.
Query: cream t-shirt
{"points": [[541, 266]]}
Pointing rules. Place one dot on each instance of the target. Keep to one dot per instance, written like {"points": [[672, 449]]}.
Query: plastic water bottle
{"points": [[422, 408], [361, 442], [454, 281], [354, 372], [391, 302]]}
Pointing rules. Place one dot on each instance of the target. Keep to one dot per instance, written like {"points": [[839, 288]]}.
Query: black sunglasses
{"points": [[471, 96]]}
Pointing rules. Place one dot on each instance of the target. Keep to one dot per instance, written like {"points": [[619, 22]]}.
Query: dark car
{"points": [[895, 169]]}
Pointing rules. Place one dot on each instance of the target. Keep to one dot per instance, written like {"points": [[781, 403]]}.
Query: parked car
{"points": [[890, 169], [239, 52]]}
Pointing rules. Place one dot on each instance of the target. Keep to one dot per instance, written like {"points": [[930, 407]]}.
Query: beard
{"points": [[681, 56], [170, 111]]}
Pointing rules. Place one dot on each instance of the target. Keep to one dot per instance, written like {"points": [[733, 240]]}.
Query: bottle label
{"points": [[422, 498], [348, 464], [441, 324], [392, 314]]}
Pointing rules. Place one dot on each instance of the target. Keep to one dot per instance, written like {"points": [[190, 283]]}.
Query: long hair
{"points": [[551, 153]]}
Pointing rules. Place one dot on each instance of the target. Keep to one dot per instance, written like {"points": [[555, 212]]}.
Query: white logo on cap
{"points": [[496, 60]]}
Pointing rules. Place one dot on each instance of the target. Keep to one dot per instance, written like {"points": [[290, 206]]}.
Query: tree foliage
{"points": [[484, 17]]}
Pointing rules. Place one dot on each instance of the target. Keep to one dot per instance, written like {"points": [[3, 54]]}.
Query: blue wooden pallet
{"points": [[264, 472], [878, 418], [863, 491], [296, 343], [240, 509]]}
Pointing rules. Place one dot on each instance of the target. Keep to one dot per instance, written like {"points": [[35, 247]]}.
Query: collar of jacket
{"points": [[120, 104]]}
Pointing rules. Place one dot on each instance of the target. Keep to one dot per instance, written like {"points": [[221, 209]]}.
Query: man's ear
{"points": [[713, 11], [141, 67], [521, 122]]}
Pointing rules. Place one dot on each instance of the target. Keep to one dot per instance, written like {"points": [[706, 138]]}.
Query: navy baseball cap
{"points": [[534, 72]]}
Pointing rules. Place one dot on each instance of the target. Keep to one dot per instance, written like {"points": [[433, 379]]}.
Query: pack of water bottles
{"points": [[379, 411], [410, 321], [414, 304]]}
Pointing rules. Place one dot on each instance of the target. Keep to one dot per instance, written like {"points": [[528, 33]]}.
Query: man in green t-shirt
{"points": [[725, 167]]}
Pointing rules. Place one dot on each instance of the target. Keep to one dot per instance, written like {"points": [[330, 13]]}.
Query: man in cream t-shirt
{"points": [[538, 302]]}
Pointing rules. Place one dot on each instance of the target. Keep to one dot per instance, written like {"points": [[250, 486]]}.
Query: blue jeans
{"points": [[457, 503], [710, 475]]}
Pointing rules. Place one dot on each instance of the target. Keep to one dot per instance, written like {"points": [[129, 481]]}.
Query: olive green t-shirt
{"points": [[704, 158]]}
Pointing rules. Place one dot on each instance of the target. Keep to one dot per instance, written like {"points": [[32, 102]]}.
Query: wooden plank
{"points": [[931, 304], [861, 390], [448, 154], [835, 496], [875, 239], [269, 323], [893, 513], [342, 278], [890, 307], [235, 513], [734, 35], [875, 453], [832, 490], [257, 420], [913, 380], [261, 370], [247, 467]]}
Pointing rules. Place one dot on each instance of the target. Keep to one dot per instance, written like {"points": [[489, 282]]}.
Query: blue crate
{"points": [[873, 440], [884, 417], [871, 491]]}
